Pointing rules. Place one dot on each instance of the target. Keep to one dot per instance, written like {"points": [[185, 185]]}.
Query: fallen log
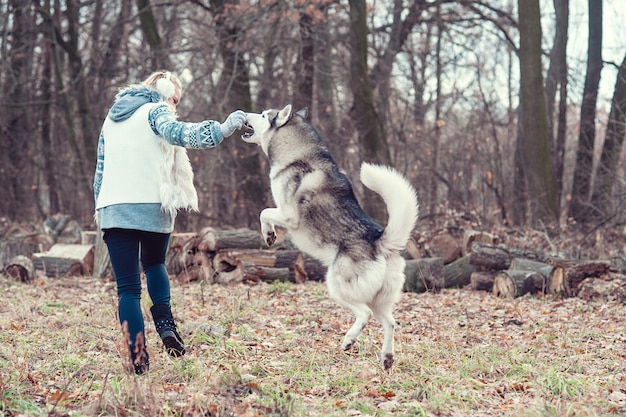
{"points": [[612, 289], [11, 248], [566, 276], [482, 280], [229, 272], [618, 264], [180, 253], [200, 268], [215, 239], [423, 275], [470, 236], [515, 283], [257, 273], [523, 264], [101, 261], [65, 260], [498, 258], [315, 270], [444, 246], [412, 249], [458, 273], [232, 262], [490, 257], [89, 237], [21, 269]]}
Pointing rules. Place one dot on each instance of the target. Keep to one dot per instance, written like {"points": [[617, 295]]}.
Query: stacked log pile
{"points": [[480, 262], [236, 255], [513, 273], [476, 260]]}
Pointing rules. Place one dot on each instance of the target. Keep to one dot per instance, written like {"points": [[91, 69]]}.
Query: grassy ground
{"points": [[273, 350]]}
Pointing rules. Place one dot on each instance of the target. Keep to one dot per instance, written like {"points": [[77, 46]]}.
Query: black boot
{"points": [[140, 359], [166, 327]]}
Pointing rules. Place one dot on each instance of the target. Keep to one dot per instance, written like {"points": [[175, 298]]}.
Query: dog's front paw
{"points": [[270, 238], [269, 234], [388, 361], [347, 344]]}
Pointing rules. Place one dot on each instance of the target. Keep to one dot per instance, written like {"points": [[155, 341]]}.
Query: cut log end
{"points": [[515, 283], [20, 268], [504, 286]]}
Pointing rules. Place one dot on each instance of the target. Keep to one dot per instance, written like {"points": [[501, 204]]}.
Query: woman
{"points": [[143, 176]]}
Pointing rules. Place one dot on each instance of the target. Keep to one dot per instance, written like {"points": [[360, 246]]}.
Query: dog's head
{"points": [[260, 126]]}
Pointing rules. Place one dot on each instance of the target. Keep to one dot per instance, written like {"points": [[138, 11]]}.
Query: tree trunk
{"points": [[434, 159], [150, 29], [326, 116], [535, 149], [613, 140], [81, 92], [15, 145], [52, 31], [48, 194], [557, 79], [580, 208], [242, 189], [368, 124], [303, 96]]}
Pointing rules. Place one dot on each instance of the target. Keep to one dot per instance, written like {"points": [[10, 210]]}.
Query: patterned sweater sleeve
{"points": [[97, 179], [206, 134]]}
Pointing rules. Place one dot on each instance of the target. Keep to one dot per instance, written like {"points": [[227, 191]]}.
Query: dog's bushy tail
{"points": [[399, 197]]}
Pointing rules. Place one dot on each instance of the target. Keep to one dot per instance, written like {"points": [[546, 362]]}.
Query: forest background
{"points": [[511, 111]]}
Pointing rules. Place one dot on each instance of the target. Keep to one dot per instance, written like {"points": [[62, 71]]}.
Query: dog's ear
{"points": [[303, 112], [283, 116]]}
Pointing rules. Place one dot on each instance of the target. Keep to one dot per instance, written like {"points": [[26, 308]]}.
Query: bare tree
{"points": [[242, 189], [611, 151], [556, 79], [150, 28], [16, 173], [534, 146], [303, 96], [368, 123], [580, 208]]}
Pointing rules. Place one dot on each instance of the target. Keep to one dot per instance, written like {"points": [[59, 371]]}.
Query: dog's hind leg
{"points": [[360, 310], [384, 315], [383, 304], [363, 314]]}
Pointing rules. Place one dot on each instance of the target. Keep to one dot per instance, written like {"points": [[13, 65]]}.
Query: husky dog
{"points": [[316, 204]]}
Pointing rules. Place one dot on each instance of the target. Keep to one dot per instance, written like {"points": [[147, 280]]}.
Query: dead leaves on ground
{"points": [[265, 349]]}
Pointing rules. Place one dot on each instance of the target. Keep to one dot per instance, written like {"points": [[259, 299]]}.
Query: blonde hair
{"points": [[152, 79]]}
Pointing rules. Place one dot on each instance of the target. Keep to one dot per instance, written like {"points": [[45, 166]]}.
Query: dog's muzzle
{"points": [[248, 133]]}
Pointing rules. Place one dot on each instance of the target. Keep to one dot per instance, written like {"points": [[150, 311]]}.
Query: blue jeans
{"points": [[127, 249]]}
